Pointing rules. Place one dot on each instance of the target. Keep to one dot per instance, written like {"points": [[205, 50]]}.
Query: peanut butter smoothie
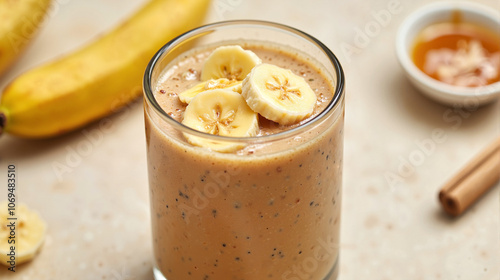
{"points": [[265, 207]]}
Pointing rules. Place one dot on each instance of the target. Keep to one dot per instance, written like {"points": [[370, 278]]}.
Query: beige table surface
{"points": [[98, 213]]}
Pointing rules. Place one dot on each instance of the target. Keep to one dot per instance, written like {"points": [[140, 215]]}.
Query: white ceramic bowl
{"points": [[439, 12]]}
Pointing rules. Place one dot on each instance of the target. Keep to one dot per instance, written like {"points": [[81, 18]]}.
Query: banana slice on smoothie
{"points": [[230, 62], [29, 233], [278, 94], [221, 83], [220, 112]]}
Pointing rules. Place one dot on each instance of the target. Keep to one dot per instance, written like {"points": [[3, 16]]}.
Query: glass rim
{"points": [[152, 103]]}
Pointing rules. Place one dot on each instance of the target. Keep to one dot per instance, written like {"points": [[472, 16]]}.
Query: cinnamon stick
{"points": [[473, 180]]}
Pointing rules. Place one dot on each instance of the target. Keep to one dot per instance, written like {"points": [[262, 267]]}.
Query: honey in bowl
{"points": [[459, 53]]}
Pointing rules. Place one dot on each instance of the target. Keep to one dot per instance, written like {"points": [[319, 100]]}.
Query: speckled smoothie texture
{"points": [[268, 211]]}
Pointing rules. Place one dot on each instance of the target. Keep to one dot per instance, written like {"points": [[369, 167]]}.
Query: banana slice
{"points": [[220, 112], [221, 83], [230, 62], [278, 94], [29, 233]]}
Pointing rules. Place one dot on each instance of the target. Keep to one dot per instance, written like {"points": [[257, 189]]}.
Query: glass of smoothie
{"points": [[244, 132]]}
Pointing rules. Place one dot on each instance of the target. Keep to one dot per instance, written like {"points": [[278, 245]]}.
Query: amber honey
{"points": [[459, 53]]}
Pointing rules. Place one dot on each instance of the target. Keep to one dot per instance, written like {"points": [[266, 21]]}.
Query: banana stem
{"points": [[3, 120]]}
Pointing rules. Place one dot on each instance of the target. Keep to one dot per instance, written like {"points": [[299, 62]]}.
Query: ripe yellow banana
{"points": [[95, 80], [19, 21]]}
